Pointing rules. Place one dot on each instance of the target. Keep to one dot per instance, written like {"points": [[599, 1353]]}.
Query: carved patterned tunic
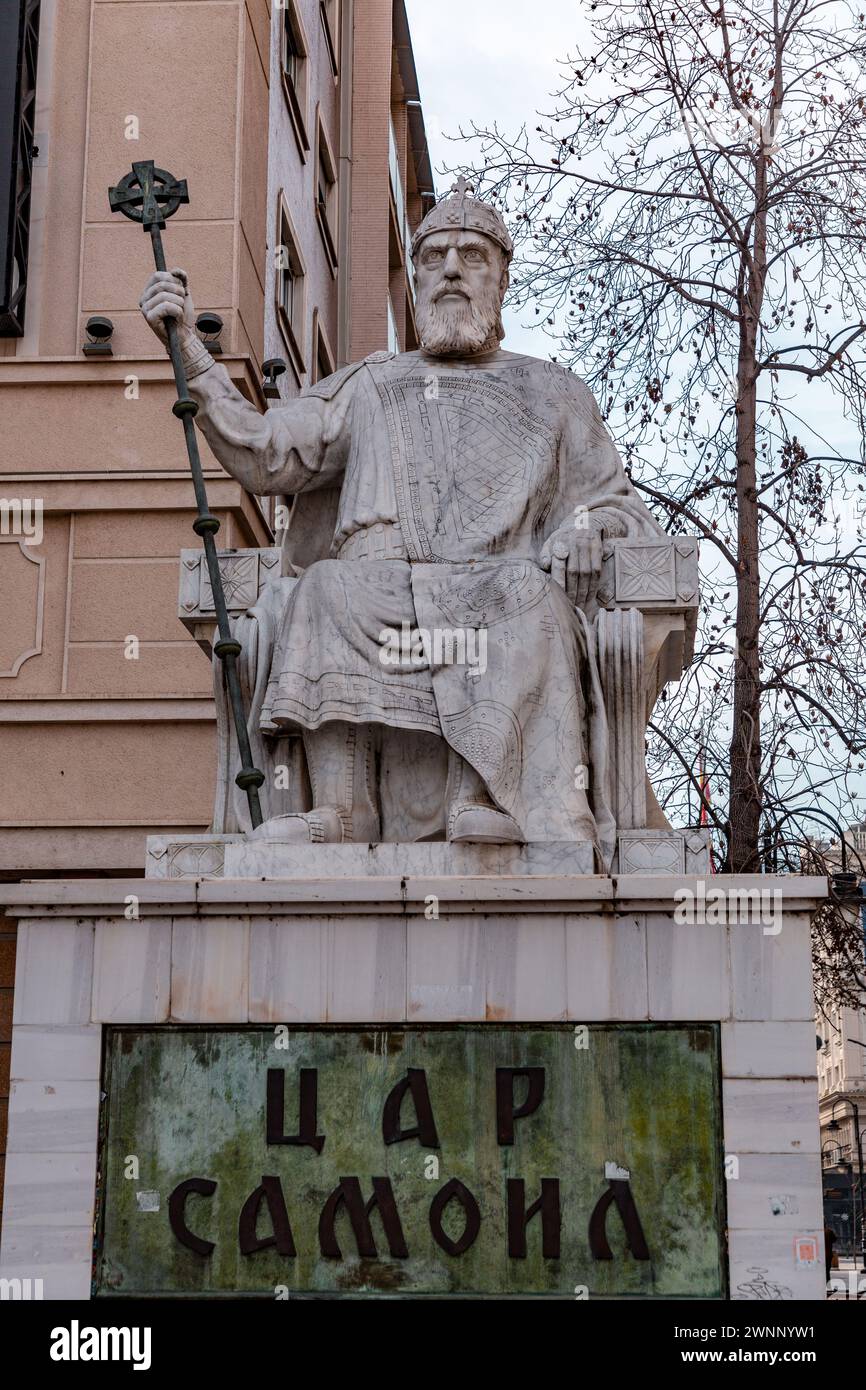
{"points": [[472, 466]]}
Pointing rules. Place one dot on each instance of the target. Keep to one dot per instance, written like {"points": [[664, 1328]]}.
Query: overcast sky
{"points": [[496, 60], [489, 60]]}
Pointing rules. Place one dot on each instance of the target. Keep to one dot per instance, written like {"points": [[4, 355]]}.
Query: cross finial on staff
{"points": [[148, 195]]}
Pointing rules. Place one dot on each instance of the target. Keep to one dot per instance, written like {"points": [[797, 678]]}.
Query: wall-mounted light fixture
{"points": [[274, 367], [210, 326], [99, 330]]}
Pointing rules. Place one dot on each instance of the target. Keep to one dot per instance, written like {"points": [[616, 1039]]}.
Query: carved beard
{"points": [[459, 327]]}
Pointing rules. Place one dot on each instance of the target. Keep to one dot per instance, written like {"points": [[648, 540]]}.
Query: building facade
{"points": [[842, 1102], [841, 1042], [297, 125]]}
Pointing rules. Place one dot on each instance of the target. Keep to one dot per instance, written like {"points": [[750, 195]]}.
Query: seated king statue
{"points": [[460, 490]]}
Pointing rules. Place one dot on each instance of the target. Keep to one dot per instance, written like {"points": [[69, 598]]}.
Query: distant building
{"points": [[841, 1087]]}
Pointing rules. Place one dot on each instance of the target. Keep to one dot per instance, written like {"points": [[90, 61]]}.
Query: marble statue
{"points": [[431, 643]]}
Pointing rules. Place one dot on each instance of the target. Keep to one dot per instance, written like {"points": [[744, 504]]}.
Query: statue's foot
{"points": [[324, 826], [471, 824]]}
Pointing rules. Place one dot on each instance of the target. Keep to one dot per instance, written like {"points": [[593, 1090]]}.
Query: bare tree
{"points": [[690, 227]]}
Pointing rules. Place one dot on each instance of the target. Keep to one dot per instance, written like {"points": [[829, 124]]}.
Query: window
{"points": [[290, 289], [326, 195], [330, 12], [292, 54], [322, 358], [18, 50], [294, 62], [290, 282]]}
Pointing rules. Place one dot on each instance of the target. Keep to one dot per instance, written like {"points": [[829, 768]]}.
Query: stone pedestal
{"points": [[527, 944], [644, 852]]}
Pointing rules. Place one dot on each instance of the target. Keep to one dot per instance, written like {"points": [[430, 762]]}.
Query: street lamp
{"points": [[833, 1128]]}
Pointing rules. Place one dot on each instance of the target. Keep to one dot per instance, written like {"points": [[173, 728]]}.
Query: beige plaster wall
{"points": [[370, 211], [91, 738]]}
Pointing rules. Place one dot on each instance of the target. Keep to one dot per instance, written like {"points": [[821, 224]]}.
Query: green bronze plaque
{"points": [[552, 1160]]}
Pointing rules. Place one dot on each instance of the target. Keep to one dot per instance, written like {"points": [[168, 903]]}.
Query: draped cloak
{"points": [[472, 465]]}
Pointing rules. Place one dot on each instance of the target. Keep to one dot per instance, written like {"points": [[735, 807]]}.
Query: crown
{"points": [[458, 210]]}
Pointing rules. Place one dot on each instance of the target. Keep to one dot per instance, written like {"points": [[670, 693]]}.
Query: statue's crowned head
{"points": [[461, 253]]}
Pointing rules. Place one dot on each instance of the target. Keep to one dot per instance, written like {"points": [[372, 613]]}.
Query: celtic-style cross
{"points": [[149, 195], [141, 195]]}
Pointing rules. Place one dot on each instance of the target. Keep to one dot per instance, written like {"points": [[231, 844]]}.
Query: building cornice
{"points": [[114, 370]]}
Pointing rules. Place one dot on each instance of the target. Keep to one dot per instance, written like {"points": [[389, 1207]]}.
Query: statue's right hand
{"points": [[166, 296]]}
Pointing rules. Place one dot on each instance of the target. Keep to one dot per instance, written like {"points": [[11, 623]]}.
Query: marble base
{"points": [[233, 856], [379, 947], [644, 852], [267, 859]]}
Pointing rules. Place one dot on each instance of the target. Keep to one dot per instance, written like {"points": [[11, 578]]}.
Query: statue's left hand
{"points": [[573, 558]]}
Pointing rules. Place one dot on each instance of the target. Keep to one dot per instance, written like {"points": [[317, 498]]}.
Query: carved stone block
{"points": [[244, 574], [645, 572], [650, 574], [186, 856], [661, 854], [664, 852]]}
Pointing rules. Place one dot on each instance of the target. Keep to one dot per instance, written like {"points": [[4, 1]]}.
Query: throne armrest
{"points": [[645, 634], [251, 581], [660, 579], [244, 574]]}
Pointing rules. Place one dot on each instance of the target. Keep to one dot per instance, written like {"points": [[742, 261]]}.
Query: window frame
{"points": [[327, 10], [321, 346], [296, 92], [292, 327], [327, 220]]}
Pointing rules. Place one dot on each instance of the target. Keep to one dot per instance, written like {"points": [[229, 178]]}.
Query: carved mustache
{"points": [[458, 288]]}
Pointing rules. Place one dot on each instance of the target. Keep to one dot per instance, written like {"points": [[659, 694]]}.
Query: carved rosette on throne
{"points": [[644, 632]]}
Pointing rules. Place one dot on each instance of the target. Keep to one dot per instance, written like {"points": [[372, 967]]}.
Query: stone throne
{"points": [[644, 631]]}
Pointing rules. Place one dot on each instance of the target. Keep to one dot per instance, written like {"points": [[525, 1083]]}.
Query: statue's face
{"points": [[460, 279]]}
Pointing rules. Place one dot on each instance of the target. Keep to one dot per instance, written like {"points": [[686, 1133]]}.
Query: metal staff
{"points": [[149, 195]]}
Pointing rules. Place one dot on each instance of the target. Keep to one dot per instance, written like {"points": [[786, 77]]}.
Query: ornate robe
{"points": [[470, 465]]}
